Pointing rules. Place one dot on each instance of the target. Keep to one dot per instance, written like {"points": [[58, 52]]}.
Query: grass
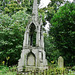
{"points": [[4, 70]]}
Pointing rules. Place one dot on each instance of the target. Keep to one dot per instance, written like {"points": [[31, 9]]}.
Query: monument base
{"points": [[32, 59]]}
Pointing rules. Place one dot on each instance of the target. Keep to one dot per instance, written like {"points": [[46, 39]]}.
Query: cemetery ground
{"points": [[52, 70]]}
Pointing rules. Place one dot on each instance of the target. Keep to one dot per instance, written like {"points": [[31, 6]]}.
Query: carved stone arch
{"points": [[32, 23], [32, 34], [31, 59]]}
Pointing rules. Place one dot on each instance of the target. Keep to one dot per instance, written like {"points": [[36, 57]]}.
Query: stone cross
{"points": [[60, 62]]}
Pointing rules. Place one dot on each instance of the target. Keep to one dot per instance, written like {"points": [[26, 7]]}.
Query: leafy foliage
{"points": [[52, 53], [11, 31], [63, 31], [12, 6], [52, 8]]}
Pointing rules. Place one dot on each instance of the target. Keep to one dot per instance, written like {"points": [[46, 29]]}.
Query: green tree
{"points": [[12, 8], [52, 53], [52, 8], [63, 31], [12, 32], [50, 47], [28, 4]]}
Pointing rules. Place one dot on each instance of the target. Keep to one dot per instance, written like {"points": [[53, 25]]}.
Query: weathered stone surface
{"points": [[33, 54], [60, 62], [31, 60], [74, 1]]}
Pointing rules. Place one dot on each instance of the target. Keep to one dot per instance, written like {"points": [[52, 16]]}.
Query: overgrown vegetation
{"points": [[51, 71], [5, 71], [11, 31], [15, 15], [63, 32]]}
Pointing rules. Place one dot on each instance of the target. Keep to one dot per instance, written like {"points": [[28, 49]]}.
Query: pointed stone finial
{"points": [[35, 11]]}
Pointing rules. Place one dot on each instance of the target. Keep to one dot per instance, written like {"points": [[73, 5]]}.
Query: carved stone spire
{"points": [[35, 11]]}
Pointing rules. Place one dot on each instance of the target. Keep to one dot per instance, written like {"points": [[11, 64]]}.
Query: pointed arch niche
{"points": [[32, 35], [31, 59]]}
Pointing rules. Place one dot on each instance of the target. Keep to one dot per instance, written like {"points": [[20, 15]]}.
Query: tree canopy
{"points": [[63, 31], [11, 31]]}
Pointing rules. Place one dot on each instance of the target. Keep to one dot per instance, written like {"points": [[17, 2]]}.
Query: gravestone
{"points": [[60, 62]]}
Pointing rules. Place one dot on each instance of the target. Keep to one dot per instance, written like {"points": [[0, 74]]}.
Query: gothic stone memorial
{"points": [[33, 54]]}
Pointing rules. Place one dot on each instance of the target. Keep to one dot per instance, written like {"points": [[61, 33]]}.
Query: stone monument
{"points": [[60, 62], [33, 54]]}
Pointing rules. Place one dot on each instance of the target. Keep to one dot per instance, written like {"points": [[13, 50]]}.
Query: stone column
{"points": [[42, 40], [27, 38], [24, 42], [38, 37]]}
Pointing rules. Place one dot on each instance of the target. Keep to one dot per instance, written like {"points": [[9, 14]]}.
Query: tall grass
{"points": [[4, 70]]}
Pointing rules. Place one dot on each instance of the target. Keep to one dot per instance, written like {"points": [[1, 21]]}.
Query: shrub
{"points": [[73, 68]]}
